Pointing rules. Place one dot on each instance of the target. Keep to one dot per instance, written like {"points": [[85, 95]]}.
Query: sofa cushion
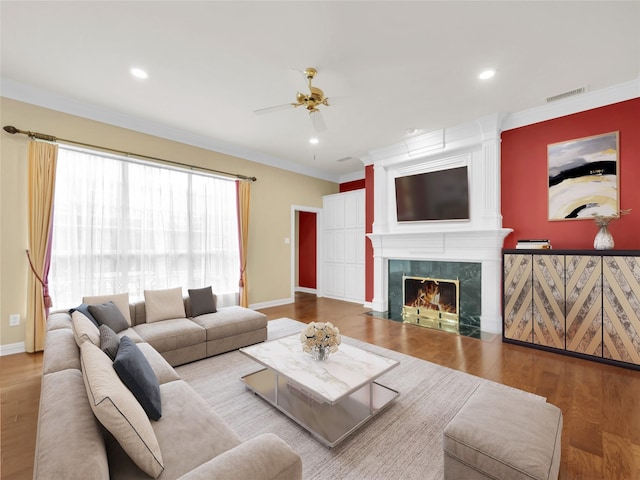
{"points": [[84, 308], [202, 301], [230, 321], [135, 372], [264, 456], [170, 335], [120, 299], [109, 314], [164, 372], [132, 334], [70, 441], [164, 304], [84, 329], [60, 351], [189, 433], [118, 411], [109, 341], [59, 319]]}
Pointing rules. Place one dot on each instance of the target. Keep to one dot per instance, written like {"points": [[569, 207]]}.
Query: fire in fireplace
{"points": [[431, 302]]}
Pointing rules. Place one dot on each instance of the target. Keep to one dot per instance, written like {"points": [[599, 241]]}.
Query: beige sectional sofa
{"points": [[91, 425]]}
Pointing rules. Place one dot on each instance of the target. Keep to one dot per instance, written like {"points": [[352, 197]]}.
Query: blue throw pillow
{"points": [[136, 373], [84, 308]]}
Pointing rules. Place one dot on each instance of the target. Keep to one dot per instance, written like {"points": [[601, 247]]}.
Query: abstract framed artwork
{"points": [[583, 177]]}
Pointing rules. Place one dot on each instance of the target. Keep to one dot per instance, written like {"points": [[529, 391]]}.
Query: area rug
{"points": [[402, 442]]}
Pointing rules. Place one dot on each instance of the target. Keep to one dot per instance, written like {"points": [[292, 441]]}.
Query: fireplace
{"points": [[431, 302], [479, 240]]}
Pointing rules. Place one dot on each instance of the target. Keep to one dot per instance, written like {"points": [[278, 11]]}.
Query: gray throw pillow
{"points": [[109, 314], [109, 341], [136, 373], [202, 301]]}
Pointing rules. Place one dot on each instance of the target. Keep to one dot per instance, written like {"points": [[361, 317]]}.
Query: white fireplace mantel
{"points": [[481, 246], [475, 145]]}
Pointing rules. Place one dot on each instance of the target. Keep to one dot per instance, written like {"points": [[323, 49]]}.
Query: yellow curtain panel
{"points": [[244, 199], [43, 157]]}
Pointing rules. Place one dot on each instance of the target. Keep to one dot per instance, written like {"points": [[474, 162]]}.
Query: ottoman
{"points": [[503, 434]]}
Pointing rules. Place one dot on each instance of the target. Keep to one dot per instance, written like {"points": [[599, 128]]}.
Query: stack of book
{"points": [[530, 244]]}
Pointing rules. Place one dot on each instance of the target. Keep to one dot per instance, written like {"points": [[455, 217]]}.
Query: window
{"points": [[127, 226]]}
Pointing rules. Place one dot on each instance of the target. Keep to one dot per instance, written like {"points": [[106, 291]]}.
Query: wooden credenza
{"points": [[582, 303]]}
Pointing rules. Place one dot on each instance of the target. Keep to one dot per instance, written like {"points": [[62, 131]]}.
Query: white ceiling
{"points": [[386, 66]]}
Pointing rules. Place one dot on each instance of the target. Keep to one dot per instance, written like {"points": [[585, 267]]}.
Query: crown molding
{"points": [[575, 104], [352, 177], [41, 98], [423, 145]]}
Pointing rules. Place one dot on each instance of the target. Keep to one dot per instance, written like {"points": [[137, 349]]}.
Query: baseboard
{"points": [[350, 300], [313, 291], [272, 303], [12, 348]]}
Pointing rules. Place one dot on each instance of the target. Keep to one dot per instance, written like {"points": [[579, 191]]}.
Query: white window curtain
{"points": [[127, 226]]}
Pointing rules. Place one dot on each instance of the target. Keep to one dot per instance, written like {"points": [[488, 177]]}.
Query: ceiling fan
{"points": [[311, 101]]}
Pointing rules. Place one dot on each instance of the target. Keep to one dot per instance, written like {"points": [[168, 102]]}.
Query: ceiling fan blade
{"points": [[275, 108], [317, 121]]}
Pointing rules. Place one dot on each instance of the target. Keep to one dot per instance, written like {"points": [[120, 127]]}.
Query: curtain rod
{"points": [[50, 138]]}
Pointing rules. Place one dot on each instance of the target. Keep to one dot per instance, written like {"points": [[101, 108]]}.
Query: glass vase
{"points": [[604, 239], [320, 353]]}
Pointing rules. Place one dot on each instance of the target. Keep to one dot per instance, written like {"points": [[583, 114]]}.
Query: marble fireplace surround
{"points": [[466, 295], [475, 145]]}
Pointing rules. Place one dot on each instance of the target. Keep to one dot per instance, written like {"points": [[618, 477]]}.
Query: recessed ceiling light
{"points": [[313, 140], [412, 131], [485, 75], [139, 73]]}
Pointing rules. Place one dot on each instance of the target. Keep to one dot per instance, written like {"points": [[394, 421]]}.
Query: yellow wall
{"points": [[269, 260]]}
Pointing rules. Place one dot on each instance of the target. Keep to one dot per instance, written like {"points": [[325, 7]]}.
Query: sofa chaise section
{"points": [[230, 328]]}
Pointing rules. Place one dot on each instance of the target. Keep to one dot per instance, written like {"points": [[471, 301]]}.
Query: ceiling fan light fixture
{"points": [[310, 101], [314, 141]]}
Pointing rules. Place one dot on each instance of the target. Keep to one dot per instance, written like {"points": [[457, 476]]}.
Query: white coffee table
{"points": [[330, 398]]}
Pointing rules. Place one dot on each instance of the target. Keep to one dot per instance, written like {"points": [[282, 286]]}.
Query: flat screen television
{"points": [[439, 195]]}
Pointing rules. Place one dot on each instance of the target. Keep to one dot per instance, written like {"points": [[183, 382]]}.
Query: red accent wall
{"points": [[368, 220], [354, 185], [524, 177], [307, 249]]}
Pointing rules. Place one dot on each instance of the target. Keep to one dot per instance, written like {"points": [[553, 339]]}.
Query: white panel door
{"points": [[352, 240], [354, 283], [351, 209], [344, 245]]}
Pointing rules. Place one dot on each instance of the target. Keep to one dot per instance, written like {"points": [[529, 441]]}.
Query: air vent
{"points": [[570, 93], [344, 159]]}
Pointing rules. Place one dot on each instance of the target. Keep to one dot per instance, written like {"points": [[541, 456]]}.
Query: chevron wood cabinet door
{"points": [[621, 308], [577, 302], [549, 300], [584, 304], [518, 295]]}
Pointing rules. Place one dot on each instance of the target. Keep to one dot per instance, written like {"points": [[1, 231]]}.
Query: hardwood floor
{"points": [[600, 403], [20, 378]]}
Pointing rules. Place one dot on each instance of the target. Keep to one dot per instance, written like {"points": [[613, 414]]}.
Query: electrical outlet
{"points": [[14, 320]]}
